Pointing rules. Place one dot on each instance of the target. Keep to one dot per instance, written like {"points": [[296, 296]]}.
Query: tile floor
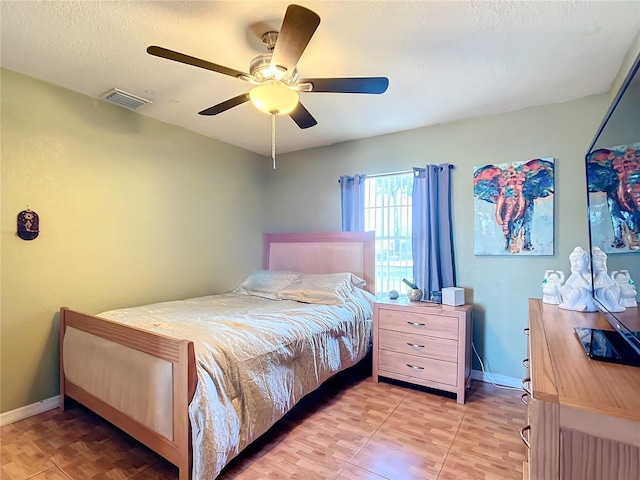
{"points": [[350, 429]]}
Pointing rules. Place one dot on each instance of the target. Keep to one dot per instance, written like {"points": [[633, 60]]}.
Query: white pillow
{"points": [[266, 283], [321, 288], [368, 296]]}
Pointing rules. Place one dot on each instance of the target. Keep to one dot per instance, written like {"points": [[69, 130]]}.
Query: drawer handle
{"points": [[526, 382], [525, 331], [525, 363], [524, 439], [417, 324], [415, 345], [523, 398], [415, 367]]}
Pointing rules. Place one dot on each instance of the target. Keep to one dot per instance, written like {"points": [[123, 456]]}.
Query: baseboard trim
{"points": [[29, 410], [496, 378]]}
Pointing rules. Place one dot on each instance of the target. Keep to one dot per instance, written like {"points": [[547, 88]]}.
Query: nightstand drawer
{"points": [[421, 324], [420, 345], [419, 367]]}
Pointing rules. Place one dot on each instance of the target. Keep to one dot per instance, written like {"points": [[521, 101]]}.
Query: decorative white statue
{"points": [[553, 280], [628, 291], [607, 292], [576, 291]]}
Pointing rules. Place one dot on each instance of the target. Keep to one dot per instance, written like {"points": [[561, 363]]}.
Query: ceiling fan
{"points": [[274, 73]]}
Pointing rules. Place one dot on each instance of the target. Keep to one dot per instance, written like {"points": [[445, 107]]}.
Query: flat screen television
{"points": [[613, 191]]}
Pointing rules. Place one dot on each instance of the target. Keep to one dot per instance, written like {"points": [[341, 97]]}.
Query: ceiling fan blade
{"points": [[348, 85], [196, 62], [298, 27], [224, 106], [302, 117]]}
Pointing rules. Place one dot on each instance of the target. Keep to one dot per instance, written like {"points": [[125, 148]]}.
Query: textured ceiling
{"points": [[445, 60]]}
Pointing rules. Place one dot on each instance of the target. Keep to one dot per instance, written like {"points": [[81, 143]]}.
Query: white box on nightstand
{"points": [[453, 296]]}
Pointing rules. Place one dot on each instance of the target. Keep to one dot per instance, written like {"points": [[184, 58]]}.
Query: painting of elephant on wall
{"points": [[513, 206], [613, 177]]}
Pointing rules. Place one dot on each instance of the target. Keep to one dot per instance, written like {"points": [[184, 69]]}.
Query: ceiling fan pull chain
{"points": [[273, 139]]}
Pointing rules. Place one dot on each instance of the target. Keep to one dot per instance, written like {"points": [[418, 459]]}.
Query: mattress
{"points": [[255, 359]]}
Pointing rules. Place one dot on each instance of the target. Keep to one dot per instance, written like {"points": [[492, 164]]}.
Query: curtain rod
{"points": [[451, 166], [380, 175], [376, 175], [402, 172], [389, 174]]}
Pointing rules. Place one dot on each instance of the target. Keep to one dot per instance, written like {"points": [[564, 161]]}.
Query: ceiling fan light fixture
{"points": [[274, 98], [262, 70]]}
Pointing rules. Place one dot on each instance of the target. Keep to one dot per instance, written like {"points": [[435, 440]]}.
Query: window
{"points": [[387, 210]]}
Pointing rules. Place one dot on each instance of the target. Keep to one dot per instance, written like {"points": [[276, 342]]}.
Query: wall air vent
{"points": [[124, 99]]}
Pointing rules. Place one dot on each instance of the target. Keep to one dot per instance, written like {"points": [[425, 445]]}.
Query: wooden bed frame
{"points": [[304, 252]]}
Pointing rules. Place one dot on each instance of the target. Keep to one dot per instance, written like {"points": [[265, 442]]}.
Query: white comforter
{"points": [[256, 358]]}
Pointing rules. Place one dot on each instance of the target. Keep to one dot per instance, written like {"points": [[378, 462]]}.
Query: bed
{"points": [[142, 369]]}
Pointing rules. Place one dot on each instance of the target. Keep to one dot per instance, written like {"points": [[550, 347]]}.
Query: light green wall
{"points": [[627, 63], [132, 211], [303, 194]]}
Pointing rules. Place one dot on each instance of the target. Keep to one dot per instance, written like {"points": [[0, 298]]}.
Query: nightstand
{"points": [[423, 343]]}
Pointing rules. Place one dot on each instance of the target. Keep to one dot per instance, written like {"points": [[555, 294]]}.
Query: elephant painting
{"points": [[513, 189], [615, 172]]}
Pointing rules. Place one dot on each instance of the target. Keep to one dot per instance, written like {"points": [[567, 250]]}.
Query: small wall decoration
{"points": [[613, 177], [28, 225], [513, 207]]}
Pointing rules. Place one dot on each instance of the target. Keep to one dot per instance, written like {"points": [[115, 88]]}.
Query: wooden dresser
{"points": [[424, 344], [583, 416]]}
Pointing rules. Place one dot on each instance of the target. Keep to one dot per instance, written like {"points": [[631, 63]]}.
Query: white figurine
{"points": [[553, 280], [576, 291], [607, 292], [628, 291]]}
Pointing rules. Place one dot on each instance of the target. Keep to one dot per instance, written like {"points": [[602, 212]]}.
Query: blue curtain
{"points": [[352, 200], [432, 238]]}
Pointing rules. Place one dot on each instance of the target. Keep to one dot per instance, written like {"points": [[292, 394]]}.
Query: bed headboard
{"points": [[331, 252]]}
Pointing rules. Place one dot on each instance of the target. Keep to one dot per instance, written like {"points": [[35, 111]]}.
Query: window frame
{"points": [[388, 211]]}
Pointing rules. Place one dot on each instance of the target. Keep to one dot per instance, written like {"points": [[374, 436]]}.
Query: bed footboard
{"points": [[181, 355]]}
